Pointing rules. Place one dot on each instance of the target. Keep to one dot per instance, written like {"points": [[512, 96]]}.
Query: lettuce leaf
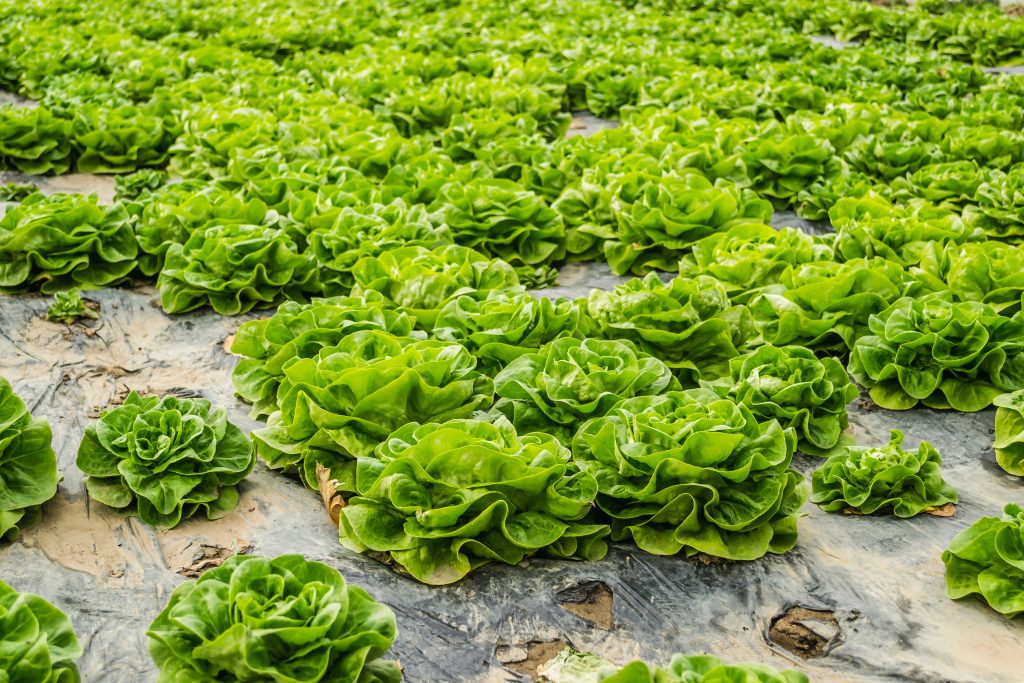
{"points": [[986, 560]]}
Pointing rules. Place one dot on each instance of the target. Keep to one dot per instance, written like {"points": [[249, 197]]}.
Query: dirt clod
{"points": [[530, 656], [589, 600], [208, 556], [805, 632]]}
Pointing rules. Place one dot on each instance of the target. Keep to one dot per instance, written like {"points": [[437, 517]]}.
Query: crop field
{"points": [[641, 341]]}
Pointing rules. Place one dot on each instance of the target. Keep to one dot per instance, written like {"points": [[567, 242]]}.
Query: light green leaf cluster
{"points": [[284, 619], [870, 480], [165, 459]]}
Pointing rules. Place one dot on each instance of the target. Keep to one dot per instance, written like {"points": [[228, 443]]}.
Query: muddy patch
{"points": [[805, 632], [589, 600], [527, 658]]}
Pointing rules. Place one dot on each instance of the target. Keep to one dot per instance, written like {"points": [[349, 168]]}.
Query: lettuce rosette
{"points": [[233, 269], [987, 560], [569, 380], [751, 256], [299, 331], [340, 404], [421, 281], [989, 272], [1009, 440], [273, 619], [499, 326], [659, 218], [780, 167], [887, 478], [444, 499], [790, 384], [142, 182], [689, 471], [37, 642], [689, 323], [343, 236], [62, 241], [165, 459], [998, 204], [171, 214], [826, 305], [681, 669], [34, 141], [67, 307], [949, 184], [499, 218], [940, 352], [119, 139], [28, 464], [869, 227]]}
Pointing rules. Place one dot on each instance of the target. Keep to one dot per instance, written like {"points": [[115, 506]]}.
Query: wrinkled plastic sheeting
{"points": [[880, 578]]}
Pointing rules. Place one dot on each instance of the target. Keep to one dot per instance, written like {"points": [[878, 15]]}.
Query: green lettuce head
{"points": [[792, 385], [444, 499], [871, 480], [660, 218], [28, 465], [235, 268], [780, 167], [283, 619], [998, 204], [989, 272], [750, 256], [987, 560], [343, 236], [67, 307], [941, 353], [701, 669], [690, 471], [299, 331], [62, 241], [421, 281], [499, 326], [37, 641], [1009, 441], [34, 141], [689, 323], [341, 403], [570, 380], [165, 459], [500, 219]]}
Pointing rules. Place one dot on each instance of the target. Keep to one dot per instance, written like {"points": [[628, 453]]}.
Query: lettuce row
{"points": [[28, 464], [37, 641], [691, 472], [790, 384], [165, 459], [939, 352], [444, 499], [62, 241], [986, 560], [569, 380], [339, 404], [1009, 439], [689, 323], [870, 480], [280, 619], [299, 331]]}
